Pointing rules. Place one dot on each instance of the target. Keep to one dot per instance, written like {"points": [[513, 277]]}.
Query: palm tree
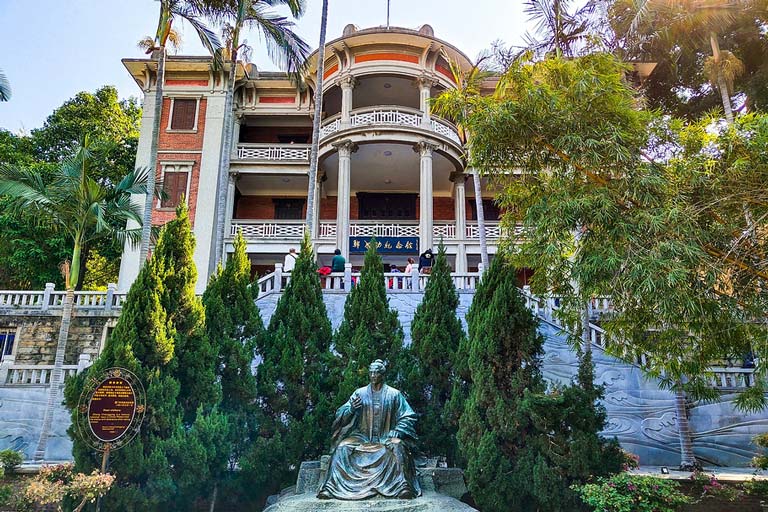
{"points": [[170, 10], [557, 30], [5, 87], [316, 124], [456, 104], [77, 205], [285, 48], [697, 22]]}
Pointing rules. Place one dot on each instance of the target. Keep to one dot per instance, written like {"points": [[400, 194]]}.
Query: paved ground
{"points": [[722, 474]]}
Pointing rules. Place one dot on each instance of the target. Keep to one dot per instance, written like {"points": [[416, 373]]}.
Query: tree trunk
{"points": [[57, 378], [687, 459], [316, 125], [146, 228], [213, 498], [480, 218], [223, 181], [721, 83]]}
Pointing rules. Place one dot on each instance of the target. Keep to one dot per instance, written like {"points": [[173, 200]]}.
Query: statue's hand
{"points": [[356, 402]]}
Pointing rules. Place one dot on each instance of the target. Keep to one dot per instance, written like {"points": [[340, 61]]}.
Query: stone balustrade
{"points": [[50, 300], [12, 374]]}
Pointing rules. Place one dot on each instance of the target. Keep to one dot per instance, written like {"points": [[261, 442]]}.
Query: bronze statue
{"points": [[373, 436]]}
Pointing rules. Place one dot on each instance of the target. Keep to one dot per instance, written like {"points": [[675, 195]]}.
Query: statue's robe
{"points": [[363, 463]]}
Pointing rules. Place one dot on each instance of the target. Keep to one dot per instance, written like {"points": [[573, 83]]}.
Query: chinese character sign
{"points": [[385, 244]]}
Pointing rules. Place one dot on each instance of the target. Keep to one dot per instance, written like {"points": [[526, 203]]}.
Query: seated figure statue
{"points": [[372, 438]]}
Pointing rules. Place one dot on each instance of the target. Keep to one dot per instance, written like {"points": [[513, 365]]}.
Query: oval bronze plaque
{"points": [[111, 409]]}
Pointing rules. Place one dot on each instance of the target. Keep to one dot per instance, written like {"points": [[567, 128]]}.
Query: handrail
{"points": [[391, 115], [273, 152]]}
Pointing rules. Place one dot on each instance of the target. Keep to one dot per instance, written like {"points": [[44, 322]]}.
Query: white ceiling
{"points": [[375, 164]]}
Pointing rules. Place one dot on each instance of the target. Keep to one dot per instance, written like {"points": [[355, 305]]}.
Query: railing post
{"points": [[111, 288], [278, 277], [348, 277], [415, 279], [47, 296], [5, 368], [83, 362]]}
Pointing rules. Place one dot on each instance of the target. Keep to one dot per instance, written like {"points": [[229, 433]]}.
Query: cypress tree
{"points": [[436, 334], [148, 340], [369, 330], [525, 445], [194, 359], [293, 381], [234, 325]]}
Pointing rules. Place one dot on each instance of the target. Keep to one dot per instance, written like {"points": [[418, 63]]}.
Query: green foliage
{"points": [[6, 494], [370, 330], [761, 460], [667, 218], [194, 356], [294, 381], [628, 493], [33, 250], [675, 36], [525, 445], [10, 460], [100, 271], [436, 332], [161, 338], [234, 326], [233, 323]]}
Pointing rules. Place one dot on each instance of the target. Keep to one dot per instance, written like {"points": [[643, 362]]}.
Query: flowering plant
{"points": [[710, 487], [53, 483], [629, 493]]}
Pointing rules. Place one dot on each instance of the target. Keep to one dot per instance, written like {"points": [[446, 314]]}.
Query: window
{"points": [[183, 114], [175, 183], [289, 209], [386, 206], [491, 210], [7, 337]]}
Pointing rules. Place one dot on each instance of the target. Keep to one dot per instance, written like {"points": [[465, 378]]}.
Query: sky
{"points": [[54, 49]]}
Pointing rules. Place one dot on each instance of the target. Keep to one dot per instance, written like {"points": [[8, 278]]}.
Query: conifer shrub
{"points": [[160, 337], [428, 378], [294, 383], [525, 444], [370, 330]]}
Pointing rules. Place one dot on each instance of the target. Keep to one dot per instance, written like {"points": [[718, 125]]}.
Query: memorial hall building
{"points": [[387, 167]]}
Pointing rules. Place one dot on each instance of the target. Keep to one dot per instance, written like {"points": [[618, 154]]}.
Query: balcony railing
{"points": [[391, 116], [51, 300], [274, 152], [267, 228]]}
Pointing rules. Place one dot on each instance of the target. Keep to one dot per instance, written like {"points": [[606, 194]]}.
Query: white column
{"points": [[460, 207], [425, 90], [230, 212], [316, 203], [425, 150], [345, 150], [129, 263], [238, 119], [347, 84]]}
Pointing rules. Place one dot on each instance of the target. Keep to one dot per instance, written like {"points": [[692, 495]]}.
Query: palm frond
{"points": [[5, 87], [208, 37], [284, 46]]}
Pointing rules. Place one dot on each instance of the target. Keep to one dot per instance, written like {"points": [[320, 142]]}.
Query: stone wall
{"points": [[36, 336]]}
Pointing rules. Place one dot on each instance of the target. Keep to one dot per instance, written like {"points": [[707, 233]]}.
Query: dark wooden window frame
{"points": [[184, 114], [172, 172], [287, 203]]}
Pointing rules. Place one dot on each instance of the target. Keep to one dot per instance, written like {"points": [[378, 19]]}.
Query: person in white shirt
{"points": [[290, 260]]}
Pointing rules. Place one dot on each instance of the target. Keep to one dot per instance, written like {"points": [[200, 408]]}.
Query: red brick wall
{"points": [[328, 208], [260, 207], [442, 208], [181, 142]]}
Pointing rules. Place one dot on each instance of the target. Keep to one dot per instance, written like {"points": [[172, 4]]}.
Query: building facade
{"points": [[387, 167]]}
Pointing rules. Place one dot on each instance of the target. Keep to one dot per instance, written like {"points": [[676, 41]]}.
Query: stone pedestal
{"points": [[441, 490], [429, 502]]}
